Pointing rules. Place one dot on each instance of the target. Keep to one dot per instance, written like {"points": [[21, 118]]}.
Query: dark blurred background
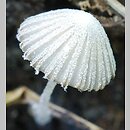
{"points": [[104, 108]]}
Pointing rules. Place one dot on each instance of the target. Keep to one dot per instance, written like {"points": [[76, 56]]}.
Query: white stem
{"points": [[46, 94], [41, 111]]}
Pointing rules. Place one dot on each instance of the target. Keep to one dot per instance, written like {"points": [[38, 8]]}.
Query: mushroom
{"points": [[71, 48]]}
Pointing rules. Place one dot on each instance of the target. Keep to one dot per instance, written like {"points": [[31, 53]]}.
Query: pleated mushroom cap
{"points": [[70, 47]]}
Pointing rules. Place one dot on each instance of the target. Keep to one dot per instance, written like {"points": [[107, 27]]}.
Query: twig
{"points": [[117, 6], [25, 95]]}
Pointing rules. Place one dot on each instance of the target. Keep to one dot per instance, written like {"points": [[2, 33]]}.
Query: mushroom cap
{"points": [[70, 47]]}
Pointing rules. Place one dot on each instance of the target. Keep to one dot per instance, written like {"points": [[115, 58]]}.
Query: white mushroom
{"points": [[71, 48]]}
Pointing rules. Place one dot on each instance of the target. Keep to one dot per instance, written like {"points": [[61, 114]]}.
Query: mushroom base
{"points": [[41, 111]]}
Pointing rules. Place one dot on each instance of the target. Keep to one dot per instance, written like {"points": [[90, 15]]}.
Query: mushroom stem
{"points": [[40, 110], [45, 96]]}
